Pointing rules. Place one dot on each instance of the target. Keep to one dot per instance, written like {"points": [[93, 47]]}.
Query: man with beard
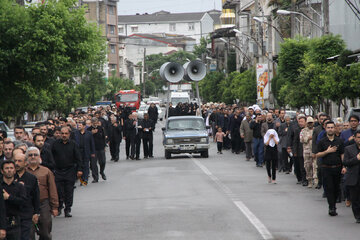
{"points": [[8, 150], [331, 150], [47, 159], [85, 141], [31, 208], [14, 194], [68, 166], [49, 201]]}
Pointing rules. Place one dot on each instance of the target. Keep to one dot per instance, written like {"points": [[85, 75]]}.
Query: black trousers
{"points": [[299, 169], [219, 146], [235, 141], [248, 150], [13, 232], [26, 225], [148, 145], [128, 141], [355, 199], [319, 173], [65, 180], [135, 147], [45, 222], [271, 158], [332, 178], [100, 159], [114, 149]]}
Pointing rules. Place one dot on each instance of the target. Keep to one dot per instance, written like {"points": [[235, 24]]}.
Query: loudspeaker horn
{"points": [[194, 70], [172, 72]]}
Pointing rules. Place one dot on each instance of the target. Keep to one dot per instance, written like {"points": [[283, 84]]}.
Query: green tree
{"points": [[243, 87], [208, 87], [40, 45], [200, 49], [116, 84]]}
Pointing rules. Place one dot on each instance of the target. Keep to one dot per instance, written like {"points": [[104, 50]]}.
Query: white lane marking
{"points": [[260, 227]]}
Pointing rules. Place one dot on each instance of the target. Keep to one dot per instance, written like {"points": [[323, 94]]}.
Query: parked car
{"points": [[185, 134], [141, 111]]}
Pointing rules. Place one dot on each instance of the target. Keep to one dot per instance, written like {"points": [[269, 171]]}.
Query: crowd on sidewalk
{"points": [[323, 153], [40, 168]]}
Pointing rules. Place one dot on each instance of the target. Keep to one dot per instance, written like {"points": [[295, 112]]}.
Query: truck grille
{"points": [[186, 140]]}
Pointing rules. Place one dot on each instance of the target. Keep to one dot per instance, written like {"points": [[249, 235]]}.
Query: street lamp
{"points": [[286, 12], [276, 29], [237, 47]]}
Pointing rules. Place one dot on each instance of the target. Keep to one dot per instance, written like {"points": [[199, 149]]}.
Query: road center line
{"points": [[260, 227]]}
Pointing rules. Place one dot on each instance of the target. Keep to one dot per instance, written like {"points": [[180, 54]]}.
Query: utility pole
{"points": [[325, 16], [143, 72]]}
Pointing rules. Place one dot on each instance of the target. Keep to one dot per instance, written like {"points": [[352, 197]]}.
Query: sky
{"points": [[130, 7]]}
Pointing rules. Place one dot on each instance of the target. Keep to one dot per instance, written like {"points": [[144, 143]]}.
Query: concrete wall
{"points": [[344, 22]]}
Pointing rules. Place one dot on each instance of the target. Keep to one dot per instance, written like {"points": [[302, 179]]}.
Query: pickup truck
{"points": [[185, 134]]}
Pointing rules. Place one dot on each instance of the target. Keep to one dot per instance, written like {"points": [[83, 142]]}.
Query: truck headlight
{"points": [[203, 140], [170, 141]]}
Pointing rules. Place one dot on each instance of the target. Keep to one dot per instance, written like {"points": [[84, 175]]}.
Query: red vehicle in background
{"points": [[131, 98]]}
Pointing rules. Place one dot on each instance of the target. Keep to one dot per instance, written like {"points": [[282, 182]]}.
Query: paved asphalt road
{"points": [[222, 197]]}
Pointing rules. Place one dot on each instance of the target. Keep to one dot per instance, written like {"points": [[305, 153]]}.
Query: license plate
{"points": [[187, 148]]}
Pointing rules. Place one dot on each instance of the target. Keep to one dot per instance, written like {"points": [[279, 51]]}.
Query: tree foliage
{"points": [[40, 46]]}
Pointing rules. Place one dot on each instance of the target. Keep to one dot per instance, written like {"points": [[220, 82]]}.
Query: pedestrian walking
{"points": [[115, 137], [271, 140], [309, 162], [85, 142], [246, 133], [31, 208], [219, 139], [68, 166], [13, 204], [147, 126], [153, 114], [99, 136], [258, 143], [2, 214], [352, 180], [331, 150], [47, 158], [49, 202]]}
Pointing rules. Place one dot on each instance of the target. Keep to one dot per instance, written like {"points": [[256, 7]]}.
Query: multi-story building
{"points": [[104, 13], [194, 25]]}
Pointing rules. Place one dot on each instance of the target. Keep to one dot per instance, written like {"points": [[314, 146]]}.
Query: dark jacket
{"points": [[153, 113], [316, 132], [47, 159], [352, 164], [129, 130], [2, 211], [99, 137], [89, 144], [283, 131], [115, 133], [147, 124]]}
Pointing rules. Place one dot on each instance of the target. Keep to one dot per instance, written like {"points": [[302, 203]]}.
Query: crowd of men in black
{"points": [[39, 169], [322, 152]]}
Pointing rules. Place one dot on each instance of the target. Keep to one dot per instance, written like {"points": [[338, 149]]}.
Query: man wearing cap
{"points": [[309, 162]]}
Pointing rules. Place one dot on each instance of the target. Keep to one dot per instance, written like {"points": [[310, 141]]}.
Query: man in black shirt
{"points": [[2, 215], [147, 135], [14, 195], [153, 113], [100, 141], [129, 136], [47, 159], [258, 142], [352, 180], [331, 150], [115, 130], [68, 166], [31, 209]]}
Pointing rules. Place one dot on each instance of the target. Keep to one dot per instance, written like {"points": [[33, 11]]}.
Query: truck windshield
{"points": [[175, 101], [129, 97], [186, 124]]}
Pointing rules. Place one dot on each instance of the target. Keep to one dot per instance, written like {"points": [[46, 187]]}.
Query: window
{"points": [[172, 27], [112, 67], [111, 29], [191, 26], [112, 48], [134, 29], [121, 29], [111, 10]]}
